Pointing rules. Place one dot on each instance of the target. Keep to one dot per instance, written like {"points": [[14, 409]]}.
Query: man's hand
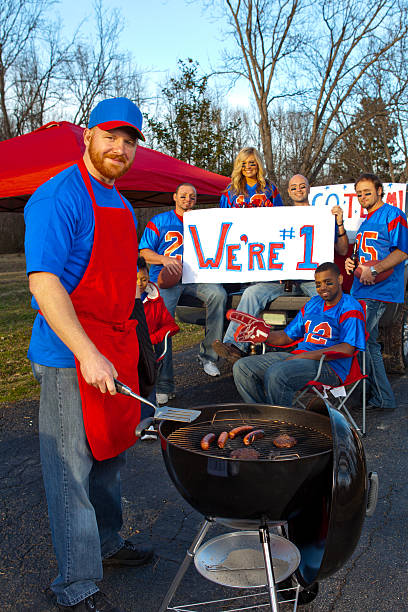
{"points": [[349, 266], [250, 329], [338, 211], [174, 265], [99, 372], [366, 277]]}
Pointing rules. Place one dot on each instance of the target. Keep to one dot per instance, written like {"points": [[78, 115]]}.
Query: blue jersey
{"points": [[322, 326], [269, 197], [164, 235], [381, 232], [59, 238]]}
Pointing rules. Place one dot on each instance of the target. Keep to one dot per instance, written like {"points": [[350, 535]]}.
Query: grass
{"points": [[187, 336], [16, 319]]}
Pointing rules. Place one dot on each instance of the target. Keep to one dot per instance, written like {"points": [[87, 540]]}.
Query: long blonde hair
{"points": [[238, 180]]}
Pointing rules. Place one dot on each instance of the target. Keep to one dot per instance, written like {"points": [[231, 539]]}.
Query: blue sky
{"points": [[159, 32]]}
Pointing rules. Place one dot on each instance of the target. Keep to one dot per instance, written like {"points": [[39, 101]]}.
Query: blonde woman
{"points": [[249, 188]]}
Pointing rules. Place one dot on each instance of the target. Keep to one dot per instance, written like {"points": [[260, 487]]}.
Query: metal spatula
{"points": [[164, 413]]}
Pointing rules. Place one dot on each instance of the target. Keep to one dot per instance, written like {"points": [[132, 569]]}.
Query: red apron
{"points": [[103, 302]]}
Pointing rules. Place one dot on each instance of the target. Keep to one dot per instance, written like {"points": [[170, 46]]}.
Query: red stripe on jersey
{"points": [[355, 314], [393, 224], [152, 226], [302, 310]]}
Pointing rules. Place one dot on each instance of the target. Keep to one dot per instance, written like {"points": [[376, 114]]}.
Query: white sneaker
{"points": [[161, 399], [209, 367]]}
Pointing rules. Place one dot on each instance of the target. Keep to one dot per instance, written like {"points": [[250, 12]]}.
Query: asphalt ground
{"points": [[373, 580]]}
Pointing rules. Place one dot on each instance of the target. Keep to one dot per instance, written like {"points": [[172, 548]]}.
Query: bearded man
{"points": [[81, 250]]}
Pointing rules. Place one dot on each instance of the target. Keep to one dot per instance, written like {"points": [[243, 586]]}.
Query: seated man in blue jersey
{"points": [[330, 321], [162, 245]]}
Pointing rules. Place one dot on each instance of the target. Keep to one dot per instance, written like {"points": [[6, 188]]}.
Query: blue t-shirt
{"points": [[322, 326], [380, 233], [164, 235], [269, 197], [59, 238]]}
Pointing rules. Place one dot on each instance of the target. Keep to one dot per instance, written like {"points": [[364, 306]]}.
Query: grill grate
{"points": [[310, 441]]}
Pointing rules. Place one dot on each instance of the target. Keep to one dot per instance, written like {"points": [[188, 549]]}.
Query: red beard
{"points": [[100, 163]]}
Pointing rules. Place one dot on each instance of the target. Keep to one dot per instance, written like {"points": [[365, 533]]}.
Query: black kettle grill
{"points": [[317, 489]]}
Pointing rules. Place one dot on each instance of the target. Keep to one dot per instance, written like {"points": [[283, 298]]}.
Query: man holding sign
{"points": [[162, 247], [257, 295], [381, 248]]}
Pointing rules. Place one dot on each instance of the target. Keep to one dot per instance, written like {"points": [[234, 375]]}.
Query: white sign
{"points": [[229, 245], [345, 196]]}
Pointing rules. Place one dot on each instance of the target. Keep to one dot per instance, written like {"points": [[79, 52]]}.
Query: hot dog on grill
{"points": [[239, 431], [207, 441], [222, 439], [253, 435]]}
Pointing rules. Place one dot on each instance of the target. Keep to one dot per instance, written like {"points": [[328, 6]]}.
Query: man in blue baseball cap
{"points": [[81, 251], [116, 113]]}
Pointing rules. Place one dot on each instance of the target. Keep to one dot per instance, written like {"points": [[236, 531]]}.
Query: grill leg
{"points": [[185, 565], [266, 545]]}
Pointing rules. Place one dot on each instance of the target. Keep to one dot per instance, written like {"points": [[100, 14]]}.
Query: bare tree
{"points": [[290, 128], [390, 82], [353, 38], [317, 54], [402, 120], [38, 80], [266, 37], [21, 21], [370, 147], [40, 73], [98, 68]]}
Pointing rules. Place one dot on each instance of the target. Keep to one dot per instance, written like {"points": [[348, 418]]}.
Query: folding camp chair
{"points": [[340, 394]]}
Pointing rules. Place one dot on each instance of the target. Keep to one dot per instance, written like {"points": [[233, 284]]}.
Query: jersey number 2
{"points": [[177, 239]]}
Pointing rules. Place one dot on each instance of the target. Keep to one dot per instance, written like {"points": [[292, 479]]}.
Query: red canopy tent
{"points": [[28, 161]]}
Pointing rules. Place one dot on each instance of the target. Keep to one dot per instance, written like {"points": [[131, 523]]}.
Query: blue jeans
{"points": [[215, 299], [255, 298], [271, 379], [379, 388], [83, 495]]}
